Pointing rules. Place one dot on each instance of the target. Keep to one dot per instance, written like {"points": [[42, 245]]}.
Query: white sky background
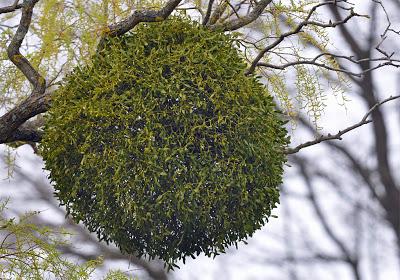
{"points": [[251, 261]]}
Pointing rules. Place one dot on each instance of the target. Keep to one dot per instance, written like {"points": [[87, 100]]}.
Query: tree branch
{"points": [[318, 257], [338, 136], [383, 61], [38, 101], [245, 20], [10, 122], [208, 13], [127, 24], [11, 8], [25, 135], [298, 29], [37, 81], [218, 12]]}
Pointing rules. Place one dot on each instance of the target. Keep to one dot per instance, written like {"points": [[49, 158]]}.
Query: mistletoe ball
{"points": [[163, 145]]}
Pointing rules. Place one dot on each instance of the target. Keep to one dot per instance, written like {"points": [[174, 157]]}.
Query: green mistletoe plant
{"points": [[163, 145]]}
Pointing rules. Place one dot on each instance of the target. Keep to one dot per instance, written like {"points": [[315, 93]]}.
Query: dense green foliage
{"points": [[162, 144]]}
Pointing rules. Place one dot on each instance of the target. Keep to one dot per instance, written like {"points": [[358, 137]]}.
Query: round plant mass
{"points": [[163, 145]]}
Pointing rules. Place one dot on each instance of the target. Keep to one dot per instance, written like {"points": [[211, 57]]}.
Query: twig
{"points": [[338, 136], [298, 29], [383, 61]]}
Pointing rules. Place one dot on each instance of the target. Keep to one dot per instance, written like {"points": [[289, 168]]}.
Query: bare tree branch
{"points": [[13, 50], [11, 8], [350, 258], [384, 61], [218, 12], [127, 24], [12, 120], [323, 258], [38, 101], [26, 134], [208, 13], [338, 136], [245, 20], [298, 29]]}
